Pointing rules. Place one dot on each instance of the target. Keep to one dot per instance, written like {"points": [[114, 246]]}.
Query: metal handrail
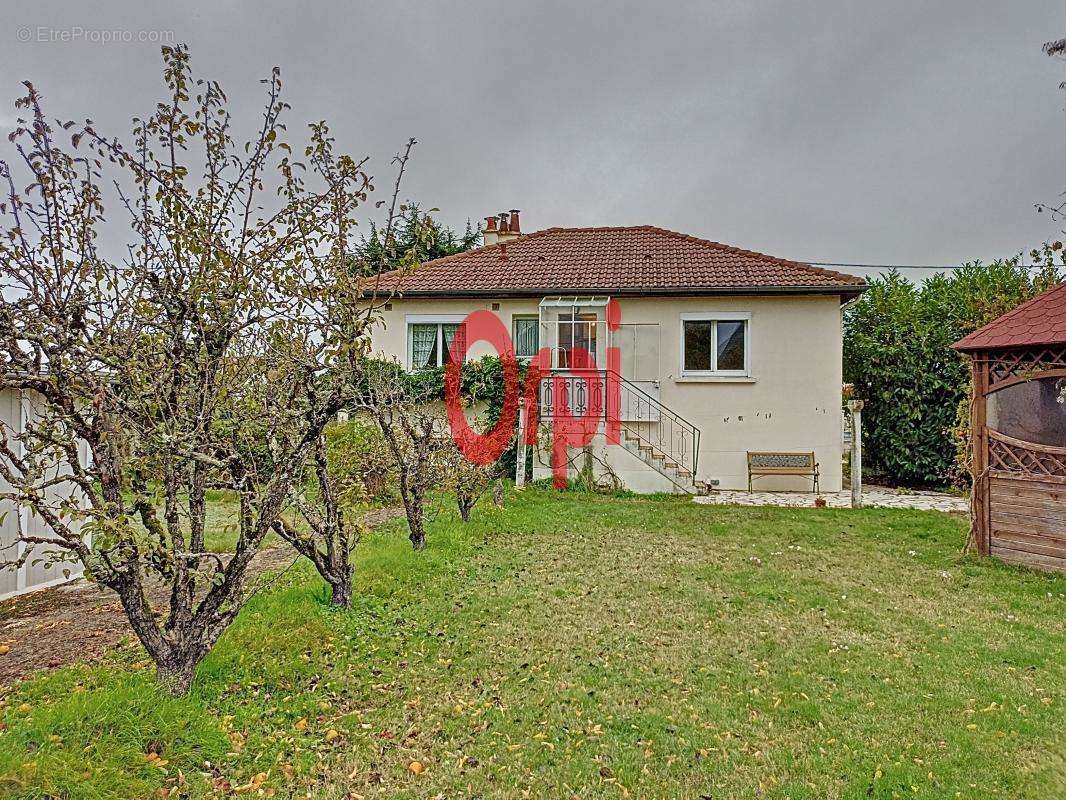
{"points": [[672, 444]]}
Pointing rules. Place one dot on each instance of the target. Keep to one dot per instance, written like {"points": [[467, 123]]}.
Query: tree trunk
{"points": [[339, 573], [416, 517], [174, 676], [341, 596], [197, 512], [465, 500], [174, 667], [416, 524]]}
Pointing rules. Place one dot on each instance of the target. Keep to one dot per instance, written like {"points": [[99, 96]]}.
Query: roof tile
{"points": [[1041, 320], [616, 260]]}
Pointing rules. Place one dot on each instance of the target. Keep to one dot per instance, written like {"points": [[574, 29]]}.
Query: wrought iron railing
{"points": [[646, 419]]}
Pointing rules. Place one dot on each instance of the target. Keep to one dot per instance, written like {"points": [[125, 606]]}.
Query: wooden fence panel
{"points": [[1028, 521]]}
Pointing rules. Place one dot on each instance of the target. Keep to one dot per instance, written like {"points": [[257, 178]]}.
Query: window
{"points": [[715, 344], [429, 341], [525, 333]]}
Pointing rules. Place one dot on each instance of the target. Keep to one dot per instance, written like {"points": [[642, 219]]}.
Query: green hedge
{"points": [[897, 353]]}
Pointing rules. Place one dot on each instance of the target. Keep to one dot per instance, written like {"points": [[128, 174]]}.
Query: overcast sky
{"points": [[902, 132]]}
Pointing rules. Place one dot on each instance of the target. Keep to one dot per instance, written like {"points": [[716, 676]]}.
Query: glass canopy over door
{"points": [[575, 330]]}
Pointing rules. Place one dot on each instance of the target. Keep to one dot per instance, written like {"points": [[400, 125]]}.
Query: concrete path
{"points": [[875, 497]]}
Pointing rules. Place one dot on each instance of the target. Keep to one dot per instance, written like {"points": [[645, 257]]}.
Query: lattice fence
{"points": [[1007, 365], [1010, 455]]}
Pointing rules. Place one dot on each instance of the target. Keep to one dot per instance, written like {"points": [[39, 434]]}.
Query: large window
{"points": [[430, 341], [715, 344], [525, 332]]}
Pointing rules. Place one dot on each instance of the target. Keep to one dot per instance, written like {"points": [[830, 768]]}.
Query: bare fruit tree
{"points": [[205, 357], [468, 479], [416, 431], [322, 522], [323, 527]]}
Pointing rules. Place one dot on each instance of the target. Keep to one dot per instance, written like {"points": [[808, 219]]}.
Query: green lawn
{"points": [[592, 647]]}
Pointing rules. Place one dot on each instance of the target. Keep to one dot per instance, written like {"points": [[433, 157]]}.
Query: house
{"points": [[39, 568], [1018, 432], [721, 350]]}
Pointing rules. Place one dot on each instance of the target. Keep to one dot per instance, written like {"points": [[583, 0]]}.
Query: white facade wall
{"points": [[790, 401]]}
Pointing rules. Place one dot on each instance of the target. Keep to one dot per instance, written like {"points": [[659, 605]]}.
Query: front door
{"points": [[579, 340]]}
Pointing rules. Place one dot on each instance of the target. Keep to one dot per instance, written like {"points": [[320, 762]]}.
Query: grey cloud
{"points": [[844, 131]]}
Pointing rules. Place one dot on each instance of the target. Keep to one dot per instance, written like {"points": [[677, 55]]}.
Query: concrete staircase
{"points": [[652, 432], [661, 463]]}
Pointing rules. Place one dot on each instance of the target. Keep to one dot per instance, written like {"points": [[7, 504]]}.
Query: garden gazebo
{"points": [[1018, 427]]}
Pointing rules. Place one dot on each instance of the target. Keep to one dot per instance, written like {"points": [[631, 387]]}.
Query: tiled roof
{"points": [[1041, 320], [631, 260]]}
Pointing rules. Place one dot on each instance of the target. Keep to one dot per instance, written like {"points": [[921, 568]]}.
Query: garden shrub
{"points": [[360, 458]]}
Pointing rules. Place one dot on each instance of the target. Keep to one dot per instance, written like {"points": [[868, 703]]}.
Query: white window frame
{"points": [[716, 316], [427, 319], [536, 318]]}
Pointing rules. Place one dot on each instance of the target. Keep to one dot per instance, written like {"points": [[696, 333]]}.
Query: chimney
{"points": [[490, 234], [508, 229], [501, 228]]}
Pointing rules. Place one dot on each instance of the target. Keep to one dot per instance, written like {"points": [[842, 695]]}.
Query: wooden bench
{"points": [[762, 463]]}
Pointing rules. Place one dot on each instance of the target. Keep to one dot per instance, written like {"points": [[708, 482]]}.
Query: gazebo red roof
{"points": [[1039, 321]]}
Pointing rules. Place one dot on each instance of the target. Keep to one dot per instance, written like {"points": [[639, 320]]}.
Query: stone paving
{"points": [[876, 496]]}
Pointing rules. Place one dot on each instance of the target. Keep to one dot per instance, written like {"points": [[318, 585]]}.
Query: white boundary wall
{"points": [[16, 408]]}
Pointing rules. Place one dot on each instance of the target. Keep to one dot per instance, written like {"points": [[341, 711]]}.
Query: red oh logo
{"points": [[601, 387]]}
